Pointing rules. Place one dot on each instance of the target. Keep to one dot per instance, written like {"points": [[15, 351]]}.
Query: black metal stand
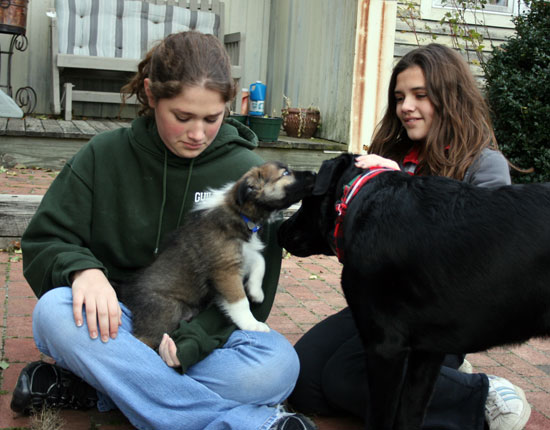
{"points": [[25, 97]]}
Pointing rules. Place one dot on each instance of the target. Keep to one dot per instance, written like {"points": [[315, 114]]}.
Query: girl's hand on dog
{"points": [[368, 161], [92, 289], [167, 351]]}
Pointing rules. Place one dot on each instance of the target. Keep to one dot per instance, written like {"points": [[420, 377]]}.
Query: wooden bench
{"points": [[106, 35], [15, 213]]}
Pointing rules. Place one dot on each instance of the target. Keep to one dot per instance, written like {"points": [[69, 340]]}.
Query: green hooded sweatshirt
{"points": [[113, 203]]}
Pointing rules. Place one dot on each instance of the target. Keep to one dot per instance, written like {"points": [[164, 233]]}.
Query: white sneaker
{"points": [[506, 407], [466, 367]]}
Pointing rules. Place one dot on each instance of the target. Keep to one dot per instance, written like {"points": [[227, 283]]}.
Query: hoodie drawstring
{"points": [[186, 189], [163, 204]]}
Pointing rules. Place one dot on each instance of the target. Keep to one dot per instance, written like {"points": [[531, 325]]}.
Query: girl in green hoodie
{"points": [[105, 216]]}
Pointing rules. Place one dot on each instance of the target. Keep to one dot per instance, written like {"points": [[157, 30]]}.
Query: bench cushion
{"points": [[123, 28]]}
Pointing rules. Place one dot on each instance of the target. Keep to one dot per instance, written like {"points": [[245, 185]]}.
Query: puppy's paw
{"points": [[255, 326], [256, 296]]}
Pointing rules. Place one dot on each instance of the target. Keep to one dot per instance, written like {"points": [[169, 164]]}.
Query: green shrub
{"points": [[518, 91]]}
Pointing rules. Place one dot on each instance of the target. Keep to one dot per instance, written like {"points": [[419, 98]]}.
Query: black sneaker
{"points": [[294, 422], [43, 384]]}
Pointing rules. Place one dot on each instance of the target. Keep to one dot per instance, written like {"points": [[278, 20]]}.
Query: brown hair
{"points": [[461, 126], [181, 60]]}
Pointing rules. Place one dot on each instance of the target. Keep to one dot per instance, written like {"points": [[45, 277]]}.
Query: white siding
{"points": [[406, 40]]}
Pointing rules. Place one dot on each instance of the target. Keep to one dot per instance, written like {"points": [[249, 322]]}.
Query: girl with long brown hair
{"points": [[460, 127]]}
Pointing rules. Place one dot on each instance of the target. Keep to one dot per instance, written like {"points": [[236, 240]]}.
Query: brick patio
{"points": [[308, 292]]}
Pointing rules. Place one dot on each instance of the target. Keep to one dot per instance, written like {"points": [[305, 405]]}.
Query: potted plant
{"points": [[300, 122], [240, 117], [267, 128]]}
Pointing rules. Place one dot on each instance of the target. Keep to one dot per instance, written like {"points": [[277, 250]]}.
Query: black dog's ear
{"points": [[329, 171]]}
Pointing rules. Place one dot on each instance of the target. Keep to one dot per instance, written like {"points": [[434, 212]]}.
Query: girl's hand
{"points": [[92, 289], [368, 161], [167, 351]]}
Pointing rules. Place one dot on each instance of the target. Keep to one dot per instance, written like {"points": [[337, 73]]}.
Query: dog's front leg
{"points": [[422, 371], [254, 269], [386, 351], [385, 370], [235, 304]]}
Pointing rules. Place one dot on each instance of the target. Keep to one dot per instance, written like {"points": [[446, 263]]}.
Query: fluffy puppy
{"points": [[215, 255]]}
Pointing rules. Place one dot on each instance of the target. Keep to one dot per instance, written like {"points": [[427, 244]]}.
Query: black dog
{"points": [[430, 266]]}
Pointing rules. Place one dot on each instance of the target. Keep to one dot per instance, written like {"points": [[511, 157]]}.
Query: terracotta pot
{"points": [[300, 122], [13, 16]]}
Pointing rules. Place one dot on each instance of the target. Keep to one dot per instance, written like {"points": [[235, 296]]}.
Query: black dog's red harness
{"points": [[350, 190]]}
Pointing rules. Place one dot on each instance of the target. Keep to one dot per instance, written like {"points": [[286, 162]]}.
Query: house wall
{"points": [[311, 53]]}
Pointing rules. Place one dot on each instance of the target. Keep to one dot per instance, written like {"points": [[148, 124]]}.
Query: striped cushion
{"points": [[123, 28]]}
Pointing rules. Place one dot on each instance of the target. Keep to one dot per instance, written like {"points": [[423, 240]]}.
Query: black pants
{"points": [[333, 379]]}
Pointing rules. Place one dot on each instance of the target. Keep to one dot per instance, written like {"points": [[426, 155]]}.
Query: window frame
{"points": [[491, 15]]}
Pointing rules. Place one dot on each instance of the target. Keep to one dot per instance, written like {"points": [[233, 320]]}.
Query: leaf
{"points": [[4, 365]]}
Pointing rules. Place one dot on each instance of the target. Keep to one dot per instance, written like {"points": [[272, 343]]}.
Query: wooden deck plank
{"points": [[86, 129], [69, 129], [16, 127], [124, 123], [38, 151], [98, 125], [33, 127], [52, 128], [15, 213], [112, 125]]}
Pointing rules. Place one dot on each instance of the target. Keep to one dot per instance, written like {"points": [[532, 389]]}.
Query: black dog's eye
{"points": [[286, 173]]}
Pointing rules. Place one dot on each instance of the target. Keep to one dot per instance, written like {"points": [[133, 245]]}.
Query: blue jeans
{"points": [[235, 387]]}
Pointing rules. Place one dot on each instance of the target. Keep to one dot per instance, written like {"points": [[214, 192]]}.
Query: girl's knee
{"points": [[53, 313], [279, 368], [53, 304], [276, 351], [285, 354]]}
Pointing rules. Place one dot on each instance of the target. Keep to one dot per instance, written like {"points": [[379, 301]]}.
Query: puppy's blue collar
{"points": [[250, 224]]}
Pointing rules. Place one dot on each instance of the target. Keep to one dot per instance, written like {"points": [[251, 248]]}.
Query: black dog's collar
{"points": [[250, 224], [350, 190]]}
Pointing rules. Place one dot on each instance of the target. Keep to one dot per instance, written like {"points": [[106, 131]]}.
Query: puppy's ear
{"points": [[329, 172], [243, 191]]}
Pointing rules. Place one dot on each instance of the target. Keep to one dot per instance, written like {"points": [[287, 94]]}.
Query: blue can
{"points": [[257, 99]]}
